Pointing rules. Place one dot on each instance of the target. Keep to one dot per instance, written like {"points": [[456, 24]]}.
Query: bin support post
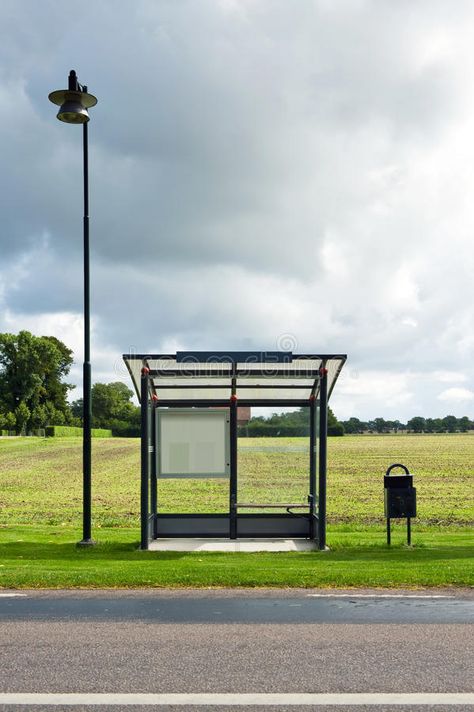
{"points": [[312, 468], [388, 532], [409, 531], [323, 434], [145, 458]]}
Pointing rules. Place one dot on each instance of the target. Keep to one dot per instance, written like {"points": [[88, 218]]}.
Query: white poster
{"points": [[193, 442]]}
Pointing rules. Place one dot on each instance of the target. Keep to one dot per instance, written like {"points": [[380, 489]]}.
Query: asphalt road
{"points": [[287, 642]]}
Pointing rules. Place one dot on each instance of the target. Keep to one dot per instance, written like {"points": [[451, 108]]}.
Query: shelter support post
{"points": [[233, 466], [312, 468], [145, 459], [323, 435], [153, 475]]}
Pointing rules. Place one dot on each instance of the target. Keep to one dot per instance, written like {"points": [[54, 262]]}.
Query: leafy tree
{"points": [[111, 408], [293, 424], [39, 416], [111, 402], [22, 416], [10, 421], [129, 428], [430, 425], [394, 425], [76, 409], [32, 369], [335, 428], [354, 425], [417, 424], [450, 422], [464, 424], [381, 426]]}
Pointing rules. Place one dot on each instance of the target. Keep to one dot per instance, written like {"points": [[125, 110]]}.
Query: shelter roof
{"points": [[263, 378]]}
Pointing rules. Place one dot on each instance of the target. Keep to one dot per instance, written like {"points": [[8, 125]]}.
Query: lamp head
{"points": [[73, 102]]}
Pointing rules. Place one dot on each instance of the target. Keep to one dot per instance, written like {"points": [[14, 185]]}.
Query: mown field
{"points": [[41, 480], [41, 503]]}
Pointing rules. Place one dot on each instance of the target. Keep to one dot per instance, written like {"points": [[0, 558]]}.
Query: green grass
{"points": [[40, 515], [47, 557]]}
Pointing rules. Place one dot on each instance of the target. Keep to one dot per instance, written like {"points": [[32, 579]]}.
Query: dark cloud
{"points": [[257, 169]]}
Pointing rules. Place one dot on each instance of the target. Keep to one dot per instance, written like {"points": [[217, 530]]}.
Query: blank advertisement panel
{"points": [[193, 442]]}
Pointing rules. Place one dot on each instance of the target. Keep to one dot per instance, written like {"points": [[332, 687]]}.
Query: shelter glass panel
{"points": [[273, 470]]}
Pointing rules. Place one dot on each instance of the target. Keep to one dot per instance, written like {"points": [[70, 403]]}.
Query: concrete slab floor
{"points": [[229, 545]]}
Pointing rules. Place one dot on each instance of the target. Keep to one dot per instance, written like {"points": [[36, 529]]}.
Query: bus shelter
{"points": [[189, 409]]}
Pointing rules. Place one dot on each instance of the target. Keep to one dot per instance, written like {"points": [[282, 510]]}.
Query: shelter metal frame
{"points": [[231, 379]]}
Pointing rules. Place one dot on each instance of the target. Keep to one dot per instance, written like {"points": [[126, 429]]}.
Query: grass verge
{"points": [[47, 557]]}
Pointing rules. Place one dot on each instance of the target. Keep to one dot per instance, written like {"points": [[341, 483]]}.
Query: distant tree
{"points": [[127, 428], [450, 423], [335, 428], [76, 409], [354, 426], [32, 369], [111, 402], [293, 424], [417, 424], [22, 416], [39, 417], [380, 425], [9, 421], [396, 425], [464, 424]]}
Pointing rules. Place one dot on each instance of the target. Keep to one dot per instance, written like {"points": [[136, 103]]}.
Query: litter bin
{"points": [[400, 498]]}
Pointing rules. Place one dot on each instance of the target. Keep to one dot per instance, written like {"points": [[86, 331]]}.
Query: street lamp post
{"points": [[74, 103]]}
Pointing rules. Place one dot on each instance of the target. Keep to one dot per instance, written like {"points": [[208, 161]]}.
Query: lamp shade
{"points": [[73, 105]]}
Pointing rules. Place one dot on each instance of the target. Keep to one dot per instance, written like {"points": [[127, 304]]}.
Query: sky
{"points": [[264, 174]]}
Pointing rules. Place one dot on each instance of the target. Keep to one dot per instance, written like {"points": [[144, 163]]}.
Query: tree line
{"points": [[297, 424], [418, 424], [34, 394]]}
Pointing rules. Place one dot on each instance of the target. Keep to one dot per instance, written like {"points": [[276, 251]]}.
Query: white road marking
{"points": [[12, 595], [378, 595], [237, 699]]}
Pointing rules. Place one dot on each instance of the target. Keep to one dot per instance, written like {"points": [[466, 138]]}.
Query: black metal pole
{"points": [[312, 468], [409, 531], [389, 540], [86, 397], [145, 459], [323, 435]]}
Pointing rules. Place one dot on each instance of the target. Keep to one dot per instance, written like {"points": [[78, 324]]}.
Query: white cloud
{"points": [[456, 395], [449, 376]]}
